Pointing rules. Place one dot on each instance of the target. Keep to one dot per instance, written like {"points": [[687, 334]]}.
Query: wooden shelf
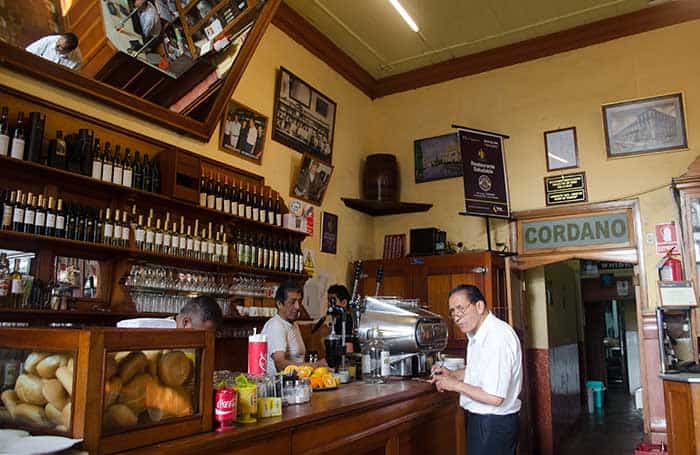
{"points": [[381, 208], [24, 241], [35, 171]]}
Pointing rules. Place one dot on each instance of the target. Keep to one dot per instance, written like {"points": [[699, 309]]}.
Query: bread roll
{"points": [[30, 414], [112, 389], [164, 401], [48, 366], [69, 363], [153, 358], [174, 368], [32, 360], [53, 391], [110, 367], [53, 414], [10, 400], [119, 416], [28, 388], [65, 375], [133, 364], [121, 355], [67, 413], [133, 394], [61, 428]]}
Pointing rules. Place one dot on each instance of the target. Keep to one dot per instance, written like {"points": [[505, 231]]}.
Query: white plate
{"points": [[40, 445], [7, 437]]}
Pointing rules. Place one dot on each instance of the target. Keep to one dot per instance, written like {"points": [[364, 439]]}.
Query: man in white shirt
{"points": [[202, 313], [491, 382], [285, 346], [235, 131], [61, 49]]}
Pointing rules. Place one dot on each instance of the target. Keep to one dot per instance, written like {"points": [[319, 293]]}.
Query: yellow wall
{"points": [[536, 309], [257, 91]]}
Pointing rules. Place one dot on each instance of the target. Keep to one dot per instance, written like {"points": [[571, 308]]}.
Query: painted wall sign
{"points": [[485, 181], [609, 228], [666, 237], [565, 189]]}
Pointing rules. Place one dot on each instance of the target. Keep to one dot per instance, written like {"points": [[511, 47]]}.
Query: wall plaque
{"points": [[565, 189], [604, 229]]}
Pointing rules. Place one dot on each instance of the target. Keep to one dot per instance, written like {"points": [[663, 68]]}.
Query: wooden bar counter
{"points": [[401, 417], [682, 397]]}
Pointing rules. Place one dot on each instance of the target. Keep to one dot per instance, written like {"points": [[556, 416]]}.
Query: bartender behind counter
{"points": [[490, 384], [202, 313], [285, 346], [339, 295]]}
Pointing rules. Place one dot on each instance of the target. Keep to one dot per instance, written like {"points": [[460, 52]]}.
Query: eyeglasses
{"points": [[459, 311]]}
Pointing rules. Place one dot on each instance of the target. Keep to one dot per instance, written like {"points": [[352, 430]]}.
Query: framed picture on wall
{"points": [[312, 180], [329, 233], [243, 131], [561, 149], [645, 126], [437, 158], [304, 118]]}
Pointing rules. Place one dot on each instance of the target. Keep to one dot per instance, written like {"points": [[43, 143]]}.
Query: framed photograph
{"points": [[304, 118], [312, 180], [645, 126], [329, 233], [561, 149], [243, 131], [437, 158]]}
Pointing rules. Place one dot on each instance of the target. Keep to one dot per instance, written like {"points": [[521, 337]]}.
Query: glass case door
{"points": [[691, 225]]}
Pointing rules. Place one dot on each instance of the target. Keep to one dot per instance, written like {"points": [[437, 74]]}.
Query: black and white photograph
{"points": [[645, 126], [437, 158], [243, 132], [561, 149], [304, 118], [312, 180]]}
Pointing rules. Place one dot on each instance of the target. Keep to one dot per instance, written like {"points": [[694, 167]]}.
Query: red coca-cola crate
{"points": [[646, 448]]}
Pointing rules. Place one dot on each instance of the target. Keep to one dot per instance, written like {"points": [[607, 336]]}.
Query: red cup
{"points": [[224, 409], [257, 355]]}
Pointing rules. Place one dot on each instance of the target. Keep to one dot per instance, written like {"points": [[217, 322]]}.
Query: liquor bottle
{"points": [[204, 246], [57, 152], [117, 168], [270, 210], [29, 213], [97, 161], [8, 208], [18, 213], [261, 252], [227, 196], [196, 241], [241, 200], [218, 251], [125, 230], [203, 184], [117, 236], [150, 235], [128, 175], [107, 163], [155, 176], [158, 241], [266, 253], [278, 211], [263, 206], [5, 281], [89, 223], [255, 205], [181, 241], [211, 245], [69, 232], [99, 227], [138, 171], [285, 257], [219, 195], [246, 250], [167, 238], [16, 287], [50, 229], [224, 250], [60, 230], [276, 256], [234, 198], [211, 193], [147, 174], [248, 202], [189, 247], [4, 132], [81, 213], [139, 233], [108, 231], [17, 146]]}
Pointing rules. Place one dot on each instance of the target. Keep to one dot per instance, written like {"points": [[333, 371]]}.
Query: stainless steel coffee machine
{"points": [[410, 332]]}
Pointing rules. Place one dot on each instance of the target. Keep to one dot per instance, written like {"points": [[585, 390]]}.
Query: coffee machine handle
{"points": [[380, 276]]}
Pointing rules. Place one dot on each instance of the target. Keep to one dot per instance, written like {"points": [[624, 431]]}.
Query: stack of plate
{"points": [[18, 442]]}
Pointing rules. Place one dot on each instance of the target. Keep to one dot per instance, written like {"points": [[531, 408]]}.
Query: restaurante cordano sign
{"points": [[604, 229]]}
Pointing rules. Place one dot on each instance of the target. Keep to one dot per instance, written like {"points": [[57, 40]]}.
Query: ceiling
{"points": [[373, 34]]}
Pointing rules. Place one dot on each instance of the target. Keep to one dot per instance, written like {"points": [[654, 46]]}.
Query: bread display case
{"points": [[116, 389]]}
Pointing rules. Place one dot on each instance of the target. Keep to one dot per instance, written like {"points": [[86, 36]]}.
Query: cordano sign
{"points": [[581, 231]]}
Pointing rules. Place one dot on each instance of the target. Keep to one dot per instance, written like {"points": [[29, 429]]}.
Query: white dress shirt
{"points": [[494, 363], [46, 48], [149, 21], [283, 336]]}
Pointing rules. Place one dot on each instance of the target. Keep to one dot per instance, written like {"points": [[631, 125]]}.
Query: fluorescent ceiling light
{"points": [[404, 14]]}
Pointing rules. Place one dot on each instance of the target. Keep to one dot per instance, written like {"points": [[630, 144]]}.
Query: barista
{"points": [[202, 313], [61, 49], [285, 346], [339, 295]]}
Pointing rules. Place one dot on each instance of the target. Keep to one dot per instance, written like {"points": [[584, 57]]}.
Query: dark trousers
{"points": [[489, 434]]}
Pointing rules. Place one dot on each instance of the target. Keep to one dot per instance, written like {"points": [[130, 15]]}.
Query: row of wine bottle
{"points": [[236, 199], [80, 153]]}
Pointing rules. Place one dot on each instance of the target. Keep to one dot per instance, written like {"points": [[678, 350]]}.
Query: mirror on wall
{"points": [[173, 61]]}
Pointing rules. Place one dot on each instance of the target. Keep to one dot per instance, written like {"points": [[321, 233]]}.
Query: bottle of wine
{"points": [[263, 206], [117, 168], [204, 246], [150, 235], [128, 175], [8, 208], [125, 230], [70, 221], [58, 152], [108, 232], [97, 161], [80, 214], [211, 192], [18, 213], [224, 250], [240, 200], [5, 286], [203, 185], [196, 241], [261, 252], [117, 236], [99, 227], [4, 132], [155, 176], [29, 214], [219, 194], [278, 211], [60, 230], [158, 241], [89, 223], [227, 196], [51, 217], [17, 287], [270, 209], [211, 245], [140, 233], [107, 163], [182, 239], [17, 146], [138, 171], [189, 250], [255, 210], [167, 237], [147, 174]]}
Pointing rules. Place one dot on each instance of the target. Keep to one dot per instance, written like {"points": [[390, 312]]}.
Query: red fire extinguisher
{"points": [[670, 268]]}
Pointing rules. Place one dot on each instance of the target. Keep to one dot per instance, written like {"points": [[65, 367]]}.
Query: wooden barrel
{"points": [[381, 178]]}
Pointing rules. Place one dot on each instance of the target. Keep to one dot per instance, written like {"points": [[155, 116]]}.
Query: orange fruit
{"points": [[328, 380]]}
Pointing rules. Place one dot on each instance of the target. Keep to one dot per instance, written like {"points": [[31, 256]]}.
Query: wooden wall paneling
{"points": [[438, 289], [680, 418], [277, 444], [654, 409]]}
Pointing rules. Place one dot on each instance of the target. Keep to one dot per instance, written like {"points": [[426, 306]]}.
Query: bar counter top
{"points": [[681, 377], [353, 412]]}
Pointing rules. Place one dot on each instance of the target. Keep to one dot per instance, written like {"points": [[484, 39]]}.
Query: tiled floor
{"points": [[615, 430]]}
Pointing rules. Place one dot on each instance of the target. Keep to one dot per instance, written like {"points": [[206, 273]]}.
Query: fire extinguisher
{"points": [[670, 268]]}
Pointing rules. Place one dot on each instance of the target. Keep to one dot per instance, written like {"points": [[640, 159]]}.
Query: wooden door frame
{"points": [[632, 253]]}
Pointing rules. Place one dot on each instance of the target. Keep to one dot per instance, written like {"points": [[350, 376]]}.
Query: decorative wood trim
{"points": [[304, 33]]}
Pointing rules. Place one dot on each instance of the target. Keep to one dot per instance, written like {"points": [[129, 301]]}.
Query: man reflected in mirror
{"points": [[61, 49]]}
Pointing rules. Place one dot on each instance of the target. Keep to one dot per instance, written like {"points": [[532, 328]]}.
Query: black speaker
{"points": [[427, 242]]}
